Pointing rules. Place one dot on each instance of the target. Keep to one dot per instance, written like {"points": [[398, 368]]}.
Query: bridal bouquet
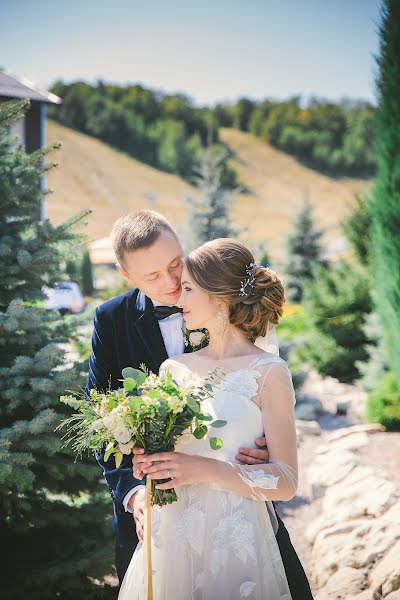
{"points": [[149, 411]]}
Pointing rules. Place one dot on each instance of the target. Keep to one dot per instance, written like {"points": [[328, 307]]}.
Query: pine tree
{"points": [[385, 205], [54, 513], [336, 303], [376, 366], [210, 212], [303, 252], [73, 270], [357, 229], [87, 274], [264, 258]]}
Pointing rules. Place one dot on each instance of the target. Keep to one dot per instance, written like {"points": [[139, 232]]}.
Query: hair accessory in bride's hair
{"points": [[246, 286]]}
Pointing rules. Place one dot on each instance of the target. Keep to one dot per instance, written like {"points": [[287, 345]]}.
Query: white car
{"points": [[65, 297]]}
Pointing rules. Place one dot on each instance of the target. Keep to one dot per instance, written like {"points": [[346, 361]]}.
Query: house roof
{"points": [[11, 87]]}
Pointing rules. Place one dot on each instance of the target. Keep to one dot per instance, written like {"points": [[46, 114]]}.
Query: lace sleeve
{"points": [[277, 479]]}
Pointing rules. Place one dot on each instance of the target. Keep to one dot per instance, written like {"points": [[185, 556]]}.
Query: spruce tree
{"points": [[357, 229], [385, 204], [54, 513], [303, 252], [336, 303], [87, 274], [209, 216]]}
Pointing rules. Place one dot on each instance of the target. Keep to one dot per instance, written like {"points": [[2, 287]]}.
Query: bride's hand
{"points": [[182, 469], [139, 463]]}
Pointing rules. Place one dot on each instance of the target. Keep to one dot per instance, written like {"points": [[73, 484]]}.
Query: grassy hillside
{"points": [[92, 175], [277, 185]]}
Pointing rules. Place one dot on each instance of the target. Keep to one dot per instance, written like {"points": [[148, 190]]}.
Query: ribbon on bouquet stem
{"points": [[148, 540]]}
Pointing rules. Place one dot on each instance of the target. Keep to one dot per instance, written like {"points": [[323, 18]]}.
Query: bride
{"points": [[218, 539]]}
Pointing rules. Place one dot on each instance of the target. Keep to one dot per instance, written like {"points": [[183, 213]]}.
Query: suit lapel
{"points": [[149, 331]]}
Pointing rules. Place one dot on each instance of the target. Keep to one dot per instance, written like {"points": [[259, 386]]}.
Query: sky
{"points": [[212, 50]]}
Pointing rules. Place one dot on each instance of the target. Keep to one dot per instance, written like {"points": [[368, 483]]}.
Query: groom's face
{"points": [[156, 270]]}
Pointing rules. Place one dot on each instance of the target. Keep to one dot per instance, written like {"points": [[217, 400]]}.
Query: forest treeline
{"points": [[169, 132]]}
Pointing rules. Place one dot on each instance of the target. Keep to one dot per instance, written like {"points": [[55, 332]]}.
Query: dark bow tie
{"points": [[162, 312]]}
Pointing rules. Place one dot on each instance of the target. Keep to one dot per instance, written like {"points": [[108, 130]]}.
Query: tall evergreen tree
{"points": [[87, 273], [209, 216], [303, 252], [357, 229], [385, 205], [54, 514], [264, 258], [336, 303]]}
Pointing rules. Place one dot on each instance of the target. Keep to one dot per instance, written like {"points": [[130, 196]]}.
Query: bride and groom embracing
{"points": [[222, 538]]}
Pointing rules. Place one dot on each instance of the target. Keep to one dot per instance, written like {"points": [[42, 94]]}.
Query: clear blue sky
{"points": [[210, 49]]}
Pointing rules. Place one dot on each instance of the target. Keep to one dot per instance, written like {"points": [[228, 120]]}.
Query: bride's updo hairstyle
{"points": [[226, 268]]}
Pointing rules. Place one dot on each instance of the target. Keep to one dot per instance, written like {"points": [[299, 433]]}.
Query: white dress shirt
{"points": [[172, 332]]}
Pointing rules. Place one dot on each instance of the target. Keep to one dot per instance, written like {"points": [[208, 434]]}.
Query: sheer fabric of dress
{"points": [[218, 540]]}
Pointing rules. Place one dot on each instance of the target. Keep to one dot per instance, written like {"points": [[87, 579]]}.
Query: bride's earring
{"points": [[222, 317]]}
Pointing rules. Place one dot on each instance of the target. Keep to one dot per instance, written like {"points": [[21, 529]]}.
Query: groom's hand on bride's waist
{"points": [[254, 456]]}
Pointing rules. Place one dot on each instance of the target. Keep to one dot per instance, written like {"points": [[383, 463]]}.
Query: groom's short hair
{"points": [[139, 229]]}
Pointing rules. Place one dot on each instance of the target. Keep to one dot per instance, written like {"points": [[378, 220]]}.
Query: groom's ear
{"points": [[122, 272]]}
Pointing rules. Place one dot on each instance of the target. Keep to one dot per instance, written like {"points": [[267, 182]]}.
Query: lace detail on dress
{"points": [[258, 478], [247, 589], [190, 529], [233, 535], [242, 383]]}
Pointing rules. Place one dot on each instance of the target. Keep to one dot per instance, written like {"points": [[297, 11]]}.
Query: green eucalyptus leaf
{"points": [[118, 458], [218, 423], [109, 450], [71, 401], [216, 443], [202, 417], [141, 378], [129, 384], [200, 432], [135, 374], [129, 372], [193, 404]]}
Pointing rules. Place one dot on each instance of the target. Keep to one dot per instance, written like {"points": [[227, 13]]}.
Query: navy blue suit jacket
{"points": [[123, 336]]}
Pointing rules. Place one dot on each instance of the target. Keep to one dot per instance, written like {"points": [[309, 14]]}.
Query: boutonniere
{"points": [[196, 338]]}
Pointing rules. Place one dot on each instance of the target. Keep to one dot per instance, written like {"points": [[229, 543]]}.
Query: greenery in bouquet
{"points": [[150, 411]]}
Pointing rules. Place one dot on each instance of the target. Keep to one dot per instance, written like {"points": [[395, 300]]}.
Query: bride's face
{"points": [[199, 308]]}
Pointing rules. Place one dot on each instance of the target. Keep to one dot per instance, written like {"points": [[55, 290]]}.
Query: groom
{"points": [[145, 326]]}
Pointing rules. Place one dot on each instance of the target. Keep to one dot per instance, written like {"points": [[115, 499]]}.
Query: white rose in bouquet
{"points": [[122, 435]]}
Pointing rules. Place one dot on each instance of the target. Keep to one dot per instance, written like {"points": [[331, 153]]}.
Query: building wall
{"points": [[33, 124], [30, 130]]}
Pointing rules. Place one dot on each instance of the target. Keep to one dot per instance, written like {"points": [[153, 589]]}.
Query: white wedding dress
{"points": [[218, 540]]}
